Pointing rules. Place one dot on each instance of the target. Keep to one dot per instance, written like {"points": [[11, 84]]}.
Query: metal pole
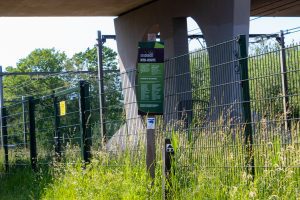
{"points": [[84, 106], [168, 153], [284, 83], [24, 121], [5, 138], [246, 104], [33, 153], [1, 103], [101, 90], [57, 135]]}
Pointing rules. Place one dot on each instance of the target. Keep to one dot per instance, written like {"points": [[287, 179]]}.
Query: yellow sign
{"points": [[62, 108]]}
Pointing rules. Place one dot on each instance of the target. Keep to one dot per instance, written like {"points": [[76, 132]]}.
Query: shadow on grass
{"points": [[22, 183]]}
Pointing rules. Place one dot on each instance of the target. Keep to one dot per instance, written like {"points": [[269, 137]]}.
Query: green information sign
{"points": [[150, 78]]}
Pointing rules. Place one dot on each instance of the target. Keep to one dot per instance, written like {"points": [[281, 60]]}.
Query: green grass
{"points": [[101, 182], [24, 184], [205, 167]]}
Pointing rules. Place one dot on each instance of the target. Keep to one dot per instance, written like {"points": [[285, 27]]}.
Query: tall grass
{"points": [[205, 166], [212, 165], [106, 177], [23, 183]]}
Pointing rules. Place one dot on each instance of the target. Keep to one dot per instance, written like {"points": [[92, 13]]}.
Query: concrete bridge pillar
{"points": [[178, 86], [219, 21], [222, 21]]}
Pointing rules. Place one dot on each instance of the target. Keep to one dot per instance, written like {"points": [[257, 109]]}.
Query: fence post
{"points": [[101, 89], [246, 109], [168, 153], [33, 153], [24, 121], [1, 101], [57, 136], [85, 130], [285, 91], [4, 139], [150, 154]]}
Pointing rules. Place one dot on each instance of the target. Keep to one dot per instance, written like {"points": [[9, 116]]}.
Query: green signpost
{"points": [[150, 78]]}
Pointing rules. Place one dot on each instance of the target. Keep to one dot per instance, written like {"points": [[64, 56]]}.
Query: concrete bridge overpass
{"points": [[11, 8], [219, 20]]}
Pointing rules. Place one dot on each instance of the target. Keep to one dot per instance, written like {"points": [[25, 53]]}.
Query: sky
{"points": [[19, 36]]}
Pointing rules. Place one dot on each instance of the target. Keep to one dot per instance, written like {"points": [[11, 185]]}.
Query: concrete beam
{"points": [[13, 8]]}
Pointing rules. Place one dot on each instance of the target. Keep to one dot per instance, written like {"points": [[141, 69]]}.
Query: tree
{"points": [[39, 60], [113, 110], [51, 60]]}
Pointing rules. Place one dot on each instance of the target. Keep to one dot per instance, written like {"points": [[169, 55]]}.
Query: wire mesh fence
{"points": [[66, 122], [51, 125], [221, 133], [231, 118]]}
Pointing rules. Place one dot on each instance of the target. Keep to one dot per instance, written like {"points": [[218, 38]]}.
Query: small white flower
{"points": [[252, 194], [249, 177]]}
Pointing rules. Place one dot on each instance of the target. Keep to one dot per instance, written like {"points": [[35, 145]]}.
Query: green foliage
{"points": [[44, 60], [200, 78], [113, 108], [88, 59], [104, 178], [210, 166], [24, 184], [266, 81], [212, 171], [215, 169], [51, 60], [39, 60]]}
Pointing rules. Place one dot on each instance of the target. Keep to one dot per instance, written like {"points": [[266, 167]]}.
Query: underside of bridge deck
{"points": [[119, 7]]}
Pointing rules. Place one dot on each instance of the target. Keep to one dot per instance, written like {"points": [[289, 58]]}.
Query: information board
{"points": [[150, 78]]}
